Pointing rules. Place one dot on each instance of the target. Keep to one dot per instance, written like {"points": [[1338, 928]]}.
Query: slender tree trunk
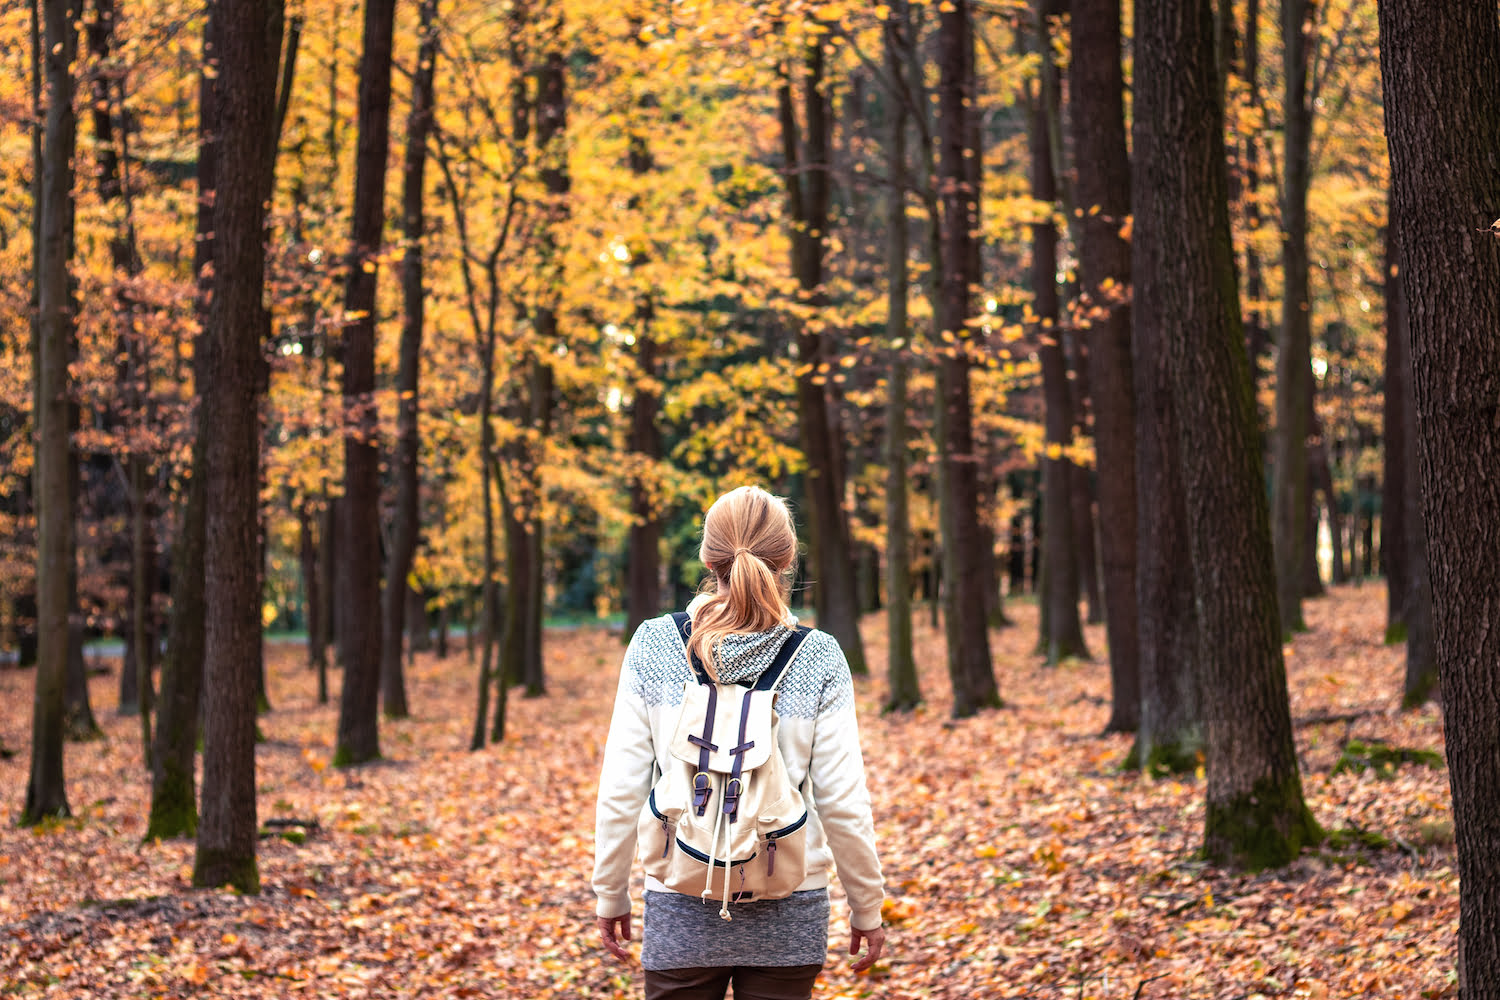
{"points": [[1440, 63], [174, 807], [1294, 350], [45, 789], [969, 663], [1097, 89], [808, 195], [901, 668], [1257, 337], [1254, 816], [307, 558], [359, 724], [249, 34], [1399, 461], [408, 476], [488, 585], [328, 565], [1062, 630]]}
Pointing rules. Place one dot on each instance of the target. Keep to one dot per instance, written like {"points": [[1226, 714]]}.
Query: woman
{"points": [[772, 949]]}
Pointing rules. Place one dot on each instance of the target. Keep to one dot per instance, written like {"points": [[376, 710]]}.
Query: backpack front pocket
{"points": [[656, 837], [783, 845]]}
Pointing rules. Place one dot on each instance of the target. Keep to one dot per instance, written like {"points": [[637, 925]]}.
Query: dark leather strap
{"points": [[685, 629]]}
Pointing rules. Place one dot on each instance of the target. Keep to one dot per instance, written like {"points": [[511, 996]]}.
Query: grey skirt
{"points": [[684, 932]]}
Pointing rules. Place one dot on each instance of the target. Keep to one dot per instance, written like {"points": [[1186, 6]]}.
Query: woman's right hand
{"points": [[613, 929], [875, 944]]}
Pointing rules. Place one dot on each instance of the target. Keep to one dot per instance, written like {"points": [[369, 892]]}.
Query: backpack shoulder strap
{"points": [[772, 674], [684, 630]]}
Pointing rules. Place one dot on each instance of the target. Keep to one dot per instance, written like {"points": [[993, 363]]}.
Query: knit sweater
{"points": [[819, 741]]}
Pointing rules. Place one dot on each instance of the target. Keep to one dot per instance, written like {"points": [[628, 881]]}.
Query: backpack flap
{"points": [[739, 717]]}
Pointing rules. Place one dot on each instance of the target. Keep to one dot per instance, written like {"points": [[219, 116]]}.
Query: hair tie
{"points": [[742, 551]]}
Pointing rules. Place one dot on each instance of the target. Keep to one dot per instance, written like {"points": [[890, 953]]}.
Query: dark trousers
{"points": [[751, 982]]}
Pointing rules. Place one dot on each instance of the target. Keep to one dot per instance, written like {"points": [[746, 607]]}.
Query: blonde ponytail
{"points": [[750, 545]]}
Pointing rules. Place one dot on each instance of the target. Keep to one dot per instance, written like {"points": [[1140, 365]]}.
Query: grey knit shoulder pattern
{"points": [[816, 681]]}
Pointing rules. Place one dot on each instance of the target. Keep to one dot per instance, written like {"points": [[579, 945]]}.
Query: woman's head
{"points": [[750, 548]]}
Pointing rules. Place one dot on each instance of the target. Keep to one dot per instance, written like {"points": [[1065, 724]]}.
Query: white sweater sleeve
{"points": [[624, 783], [837, 774]]}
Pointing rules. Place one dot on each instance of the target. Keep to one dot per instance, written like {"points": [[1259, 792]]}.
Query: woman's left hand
{"points": [[613, 930]]}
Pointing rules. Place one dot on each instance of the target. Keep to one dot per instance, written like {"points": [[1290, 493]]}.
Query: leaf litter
{"points": [[1020, 861]]}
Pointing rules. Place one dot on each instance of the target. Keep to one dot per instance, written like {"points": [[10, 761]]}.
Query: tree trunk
{"points": [[1254, 816], [1062, 629], [643, 597], [45, 788], [1097, 92], [1440, 63], [250, 34], [408, 476], [969, 663], [307, 559], [1294, 350], [328, 568], [1399, 460], [359, 548], [901, 669], [808, 185], [174, 807]]}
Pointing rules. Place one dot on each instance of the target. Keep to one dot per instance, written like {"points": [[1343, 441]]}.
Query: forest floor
{"points": [[1019, 860]]}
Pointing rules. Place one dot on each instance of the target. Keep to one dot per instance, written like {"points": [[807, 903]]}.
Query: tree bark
{"points": [[46, 793], [808, 186], [969, 663], [250, 37], [359, 548], [901, 669], [1440, 63], [408, 477], [1294, 351], [1254, 815], [1062, 629], [1097, 90], [1399, 461]]}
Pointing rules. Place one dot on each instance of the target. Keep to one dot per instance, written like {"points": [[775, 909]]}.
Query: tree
{"points": [[174, 808], [806, 169], [359, 541], [1440, 61], [1062, 629], [1294, 349], [249, 35], [1103, 178], [408, 479], [46, 793], [905, 692], [1254, 816], [969, 664]]}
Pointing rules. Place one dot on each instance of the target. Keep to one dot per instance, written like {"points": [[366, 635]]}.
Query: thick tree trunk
{"points": [[1294, 349], [1062, 628], [808, 185], [408, 476], [901, 669], [359, 548], [1440, 62], [969, 663], [1097, 90], [1399, 460], [1254, 816], [249, 34], [45, 788]]}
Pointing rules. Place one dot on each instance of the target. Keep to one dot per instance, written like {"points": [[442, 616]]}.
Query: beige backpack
{"points": [[723, 821]]}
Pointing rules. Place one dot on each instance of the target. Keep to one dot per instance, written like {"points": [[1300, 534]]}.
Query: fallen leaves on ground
{"points": [[1019, 860]]}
